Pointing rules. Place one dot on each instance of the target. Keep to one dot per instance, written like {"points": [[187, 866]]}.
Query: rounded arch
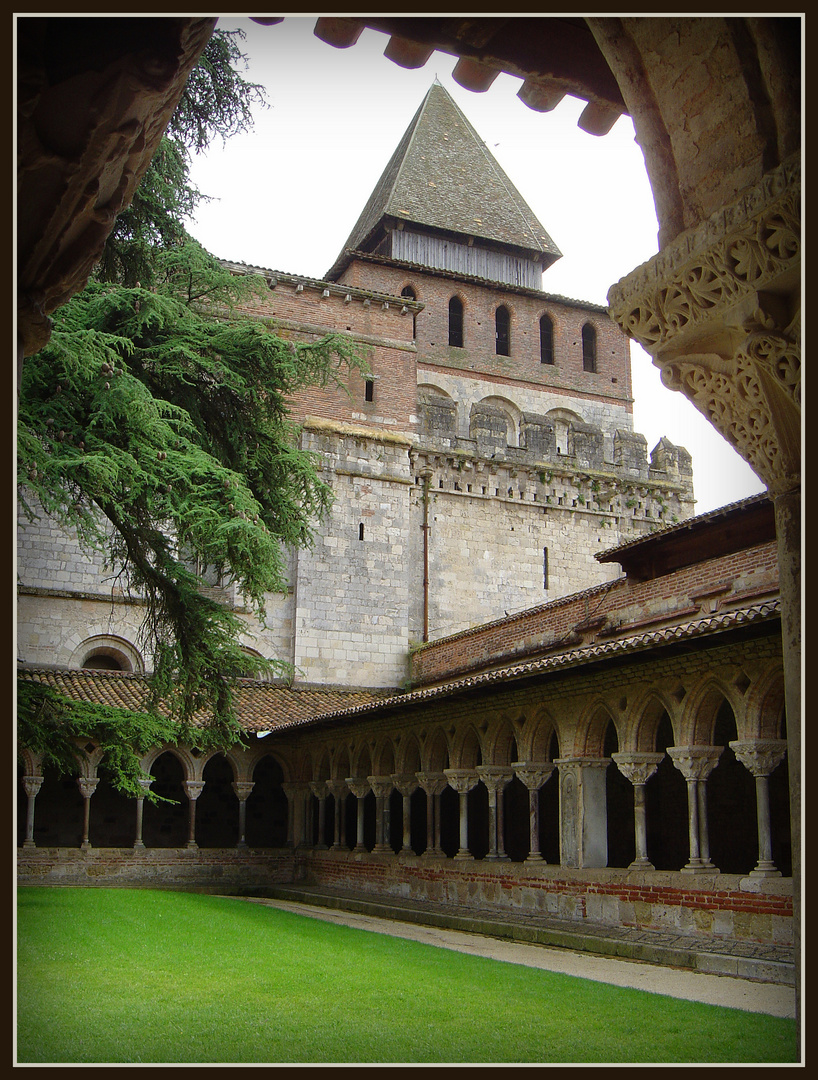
{"points": [[498, 407], [592, 730], [361, 761], [107, 652], [502, 330], [546, 328], [409, 758], [501, 742], [191, 767], [457, 319], [383, 757], [543, 730], [562, 419], [467, 749], [340, 759], [764, 709], [647, 714], [436, 756], [701, 709], [589, 347]]}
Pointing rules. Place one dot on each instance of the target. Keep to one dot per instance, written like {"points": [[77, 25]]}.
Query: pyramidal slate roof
{"points": [[443, 177]]}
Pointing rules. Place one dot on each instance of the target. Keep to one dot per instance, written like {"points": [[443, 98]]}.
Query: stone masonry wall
{"points": [[741, 578], [352, 587]]}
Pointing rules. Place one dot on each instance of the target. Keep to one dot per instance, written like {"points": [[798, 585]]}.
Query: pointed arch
{"points": [[592, 729], [701, 709], [436, 755]]}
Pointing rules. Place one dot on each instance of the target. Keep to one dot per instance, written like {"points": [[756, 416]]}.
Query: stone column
{"points": [[296, 827], [382, 786], [320, 790], [583, 812], [433, 784], [760, 757], [407, 784], [193, 789], [533, 775], [496, 780], [639, 768], [360, 789], [145, 784], [338, 790], [696, 763], [463, 780], [87, 786], [31, 786], [242, 789]]}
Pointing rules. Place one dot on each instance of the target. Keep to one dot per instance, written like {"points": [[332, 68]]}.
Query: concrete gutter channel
{"points": [[756, 961]]}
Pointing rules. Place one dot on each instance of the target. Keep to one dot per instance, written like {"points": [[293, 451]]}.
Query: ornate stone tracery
{"points": [[719, 311]]}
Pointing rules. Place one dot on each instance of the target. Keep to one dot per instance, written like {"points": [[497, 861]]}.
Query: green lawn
{"points": [[132, 975]]}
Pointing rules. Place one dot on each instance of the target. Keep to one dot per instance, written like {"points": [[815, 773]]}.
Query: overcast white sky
{"points": [[286, 196]]}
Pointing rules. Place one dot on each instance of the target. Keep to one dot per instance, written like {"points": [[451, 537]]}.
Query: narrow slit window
{"points": [[361, 531], [455, 323], [546, 340], [369, 390], [545, 567], [588, 348], [502, 326], [410, 294]]}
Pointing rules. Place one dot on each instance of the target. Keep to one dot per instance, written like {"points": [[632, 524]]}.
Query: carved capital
{"points": [[462, 780], [533, 774], [760, 756], [719, 311], [87, 785], [32, 784], [638, 768], [495, 777], [319, 788], [406, 783], [695, 762], [381, 785], [337, 788], [193, 788], [359, 786], [243, 788], [432, 783]]}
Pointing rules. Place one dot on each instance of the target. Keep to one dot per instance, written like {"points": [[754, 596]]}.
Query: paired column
{"points": [[696, 763], [382, 787], [761, 757], [407, 785], [639, 768], [31, 786], [242, 788], [463, 780], [496, 780], [433, 784], [320, 789], [360, 789], [193, 789], [533, 775], [338, 789], [296, 793]]}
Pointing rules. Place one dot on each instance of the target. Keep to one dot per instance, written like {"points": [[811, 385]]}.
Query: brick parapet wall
{"points": [[618, 607], [723, 905]]}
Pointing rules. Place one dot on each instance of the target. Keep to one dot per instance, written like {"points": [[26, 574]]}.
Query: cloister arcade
{"points": [[665, 775]]}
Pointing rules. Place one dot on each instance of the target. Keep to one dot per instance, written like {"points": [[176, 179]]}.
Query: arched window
{"points": [[546, 340], [588, 348], [409, 293], [456, 323], [502, 323]]}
